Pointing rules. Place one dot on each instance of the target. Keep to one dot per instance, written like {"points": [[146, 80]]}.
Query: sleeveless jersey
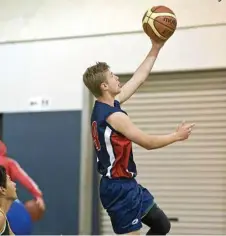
{"points": [[6, 229], [113, 150]]}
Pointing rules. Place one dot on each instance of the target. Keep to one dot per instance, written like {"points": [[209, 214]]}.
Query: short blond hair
{"points": [[94, 76]]}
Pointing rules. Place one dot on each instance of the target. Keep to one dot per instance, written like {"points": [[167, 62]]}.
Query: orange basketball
{"points": [[34, 210], [159, 23]]}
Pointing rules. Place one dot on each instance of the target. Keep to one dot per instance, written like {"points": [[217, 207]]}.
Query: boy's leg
{"points": [[157, 220]]}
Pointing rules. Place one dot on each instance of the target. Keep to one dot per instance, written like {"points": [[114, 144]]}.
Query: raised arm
{"points": [[141, 74], [122, 123], [18, 174]]}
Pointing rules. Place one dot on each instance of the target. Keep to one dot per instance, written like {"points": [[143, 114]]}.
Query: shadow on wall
{"points": [[47, 146]]}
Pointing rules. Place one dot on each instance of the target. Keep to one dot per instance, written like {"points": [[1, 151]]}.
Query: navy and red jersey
{"points": [[113, 150]]}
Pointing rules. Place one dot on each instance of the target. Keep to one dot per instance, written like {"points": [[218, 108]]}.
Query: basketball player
{"points": [[7, 196], [16, 173], [128, 203]]}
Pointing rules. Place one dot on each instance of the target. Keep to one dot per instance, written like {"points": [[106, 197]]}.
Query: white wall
{"points": [[32, 19], [54, 69]]}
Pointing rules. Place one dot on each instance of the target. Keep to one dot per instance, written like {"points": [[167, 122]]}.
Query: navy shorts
{"points": [[126, 202]]}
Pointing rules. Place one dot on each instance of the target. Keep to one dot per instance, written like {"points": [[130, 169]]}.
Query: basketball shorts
{"points": [[126, 202]]}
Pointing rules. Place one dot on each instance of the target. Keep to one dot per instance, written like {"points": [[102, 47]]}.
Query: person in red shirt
{"points": [[17, 174]]}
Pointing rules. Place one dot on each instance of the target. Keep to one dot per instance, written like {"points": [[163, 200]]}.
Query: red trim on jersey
{"points": [[122, 148]]}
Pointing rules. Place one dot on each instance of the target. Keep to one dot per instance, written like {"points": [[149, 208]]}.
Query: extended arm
{"points": [[18, 174], [140, 75], [122, 123]]}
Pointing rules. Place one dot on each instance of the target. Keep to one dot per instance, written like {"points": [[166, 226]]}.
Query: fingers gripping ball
{"points": [[34, 210], [159, 23]]}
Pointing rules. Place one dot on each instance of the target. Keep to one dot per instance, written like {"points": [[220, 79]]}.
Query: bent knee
{"points": [[165, 226], [158, 222]]}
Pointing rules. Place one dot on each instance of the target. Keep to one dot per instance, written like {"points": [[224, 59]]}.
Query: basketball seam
{"points": [[148, 17], [156, 31], [163, 24], [145, 25], [164, 14]]}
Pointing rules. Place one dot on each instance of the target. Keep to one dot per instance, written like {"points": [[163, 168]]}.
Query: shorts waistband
{"points": [[121, 179]]}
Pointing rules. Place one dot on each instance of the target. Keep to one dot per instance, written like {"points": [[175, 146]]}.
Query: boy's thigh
{"points": [[125, 214]]}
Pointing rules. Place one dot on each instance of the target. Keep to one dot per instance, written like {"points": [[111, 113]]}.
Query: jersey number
{"points": [[95, 136]]}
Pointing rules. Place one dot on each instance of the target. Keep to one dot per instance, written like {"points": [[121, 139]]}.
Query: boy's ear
{"points": [[2, 191]]}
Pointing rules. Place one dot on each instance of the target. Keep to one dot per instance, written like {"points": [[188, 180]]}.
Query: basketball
{"points": [[159, 23], [34, 210]]}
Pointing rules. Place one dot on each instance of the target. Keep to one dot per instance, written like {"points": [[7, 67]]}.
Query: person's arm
{"points": [[18, 174], [122, 123], [141, 74], [2, 222]]}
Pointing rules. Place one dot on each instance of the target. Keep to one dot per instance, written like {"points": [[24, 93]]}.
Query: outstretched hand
{"points": [[184, 130]]}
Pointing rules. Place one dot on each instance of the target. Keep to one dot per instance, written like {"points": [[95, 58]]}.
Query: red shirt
{"points": [[16, 173]]}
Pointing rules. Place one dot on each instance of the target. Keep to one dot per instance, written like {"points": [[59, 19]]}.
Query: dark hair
{"points": [[2, 176]]}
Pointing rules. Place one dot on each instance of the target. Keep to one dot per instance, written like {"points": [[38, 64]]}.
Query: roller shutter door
{"points": [[188, 179]]}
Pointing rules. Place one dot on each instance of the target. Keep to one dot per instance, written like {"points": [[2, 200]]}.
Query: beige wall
{"points": [[26, 19], [54, 68]]}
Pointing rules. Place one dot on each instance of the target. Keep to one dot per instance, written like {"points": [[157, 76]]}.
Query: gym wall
{"points": [[49, 19], [47, 146], [53, 67], [45, 46]]}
